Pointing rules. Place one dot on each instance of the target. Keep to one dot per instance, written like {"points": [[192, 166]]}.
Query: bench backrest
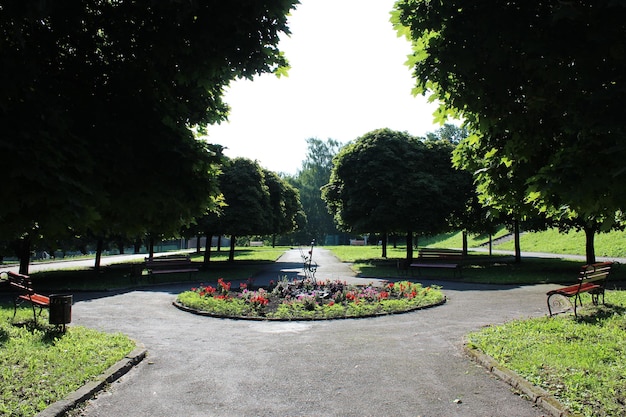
{"points": [[597, 273], [20, 282], [169, 258], [429, 253]]}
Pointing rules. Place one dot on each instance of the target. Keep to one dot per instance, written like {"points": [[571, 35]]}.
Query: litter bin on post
{"points": [[60, 309]]}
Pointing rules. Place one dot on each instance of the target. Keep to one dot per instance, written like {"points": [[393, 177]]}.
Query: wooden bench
{"points": [[591, 279], [438, 258], [24, 286], [170, 265]]}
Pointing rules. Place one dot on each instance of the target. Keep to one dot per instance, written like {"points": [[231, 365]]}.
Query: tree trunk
{"points": [[99, 247], [137, 246], [231, 253], [150, 248], [464, 242], [490, 244], [23, 254], [384, 239], [518, 251], [590, 251], [219, 243], [207, 249], [198, 246], [409, 247], [120, 246]]}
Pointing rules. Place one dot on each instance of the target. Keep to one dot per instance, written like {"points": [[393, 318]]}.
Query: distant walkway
{"points": [[403, 365]]}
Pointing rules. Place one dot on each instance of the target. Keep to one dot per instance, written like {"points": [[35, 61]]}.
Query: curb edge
{"points": [[91, 388], [536, 394]]}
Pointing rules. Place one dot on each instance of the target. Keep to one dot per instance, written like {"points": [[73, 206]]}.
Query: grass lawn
{"points": [[248, 261], [480, 268], [581, 362], [39, 365]]}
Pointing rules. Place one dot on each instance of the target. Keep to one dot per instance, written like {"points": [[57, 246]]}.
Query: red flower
{"points": [[259, 299], [224, 286]]}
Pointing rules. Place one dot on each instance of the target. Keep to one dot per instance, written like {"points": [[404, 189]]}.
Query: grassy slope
{"points": [[611, 244]]}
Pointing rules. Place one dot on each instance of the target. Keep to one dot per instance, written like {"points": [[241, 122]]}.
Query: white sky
{"points": [[347, 78]]}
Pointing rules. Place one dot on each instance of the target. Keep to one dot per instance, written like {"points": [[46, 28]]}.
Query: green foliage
{"points": [[40, 365], [285, 208], [543, 109], [578, 361], [308, 300], [389, 181], [313, 175], [102, 97]]}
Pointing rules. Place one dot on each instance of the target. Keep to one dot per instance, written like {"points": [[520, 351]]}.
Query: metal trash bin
{"points": [[60, 309]]}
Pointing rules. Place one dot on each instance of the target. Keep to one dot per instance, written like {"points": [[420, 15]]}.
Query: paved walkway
{"points": [[403, 365]]}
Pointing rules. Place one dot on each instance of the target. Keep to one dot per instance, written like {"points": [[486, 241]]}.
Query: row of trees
{"points": [[541, 86], [255, 202], [98, 104]]}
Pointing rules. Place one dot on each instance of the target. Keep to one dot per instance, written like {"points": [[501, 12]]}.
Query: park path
{"points": [[403, 365]]}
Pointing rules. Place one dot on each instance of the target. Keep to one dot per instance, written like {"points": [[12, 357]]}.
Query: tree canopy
{"points": [[542, 84], [100, 94], [313, 175], [388, 181]]}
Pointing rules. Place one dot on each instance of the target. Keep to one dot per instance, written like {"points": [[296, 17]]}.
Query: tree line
{"points": [[101, 100]]}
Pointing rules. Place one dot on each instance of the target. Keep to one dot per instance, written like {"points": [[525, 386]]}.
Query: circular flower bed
{"points": [[307, 300]]}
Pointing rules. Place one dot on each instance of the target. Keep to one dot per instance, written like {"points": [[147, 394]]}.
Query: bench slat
{"points": [[434, 265], [438, 258], [40, 300], [170, 265]]}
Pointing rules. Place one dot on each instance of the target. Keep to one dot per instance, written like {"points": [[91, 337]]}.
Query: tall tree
{"points": [[94, 85], [247, 209], [542, 83], [285, 207], [313, 175], [388, 181]]}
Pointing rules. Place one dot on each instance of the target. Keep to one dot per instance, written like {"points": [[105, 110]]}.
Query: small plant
{"points": [[309, 299]]}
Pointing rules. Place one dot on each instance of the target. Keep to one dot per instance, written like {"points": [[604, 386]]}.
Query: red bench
{"points": [[24, 286], [591, 279]]}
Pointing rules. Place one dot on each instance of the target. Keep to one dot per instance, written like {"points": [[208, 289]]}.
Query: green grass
{"points": [[479, 268], [611, 244], [578, 361], [248, 261], [40, 365]]}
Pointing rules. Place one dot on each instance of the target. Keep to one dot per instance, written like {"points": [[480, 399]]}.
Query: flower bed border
{"points": [[260, 318]]}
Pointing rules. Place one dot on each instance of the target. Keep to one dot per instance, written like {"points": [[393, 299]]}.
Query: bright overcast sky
{"points": [[348, 77]]}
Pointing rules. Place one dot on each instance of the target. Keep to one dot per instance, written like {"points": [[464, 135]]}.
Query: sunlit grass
{"points": [[40, 365], [579, 361]]}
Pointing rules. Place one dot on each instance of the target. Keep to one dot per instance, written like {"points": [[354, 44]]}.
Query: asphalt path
{"points": [[409, 364]]}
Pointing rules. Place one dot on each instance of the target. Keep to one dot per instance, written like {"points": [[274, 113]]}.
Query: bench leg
{"points": [[34, 313], [559, 302], [549, 307]]}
